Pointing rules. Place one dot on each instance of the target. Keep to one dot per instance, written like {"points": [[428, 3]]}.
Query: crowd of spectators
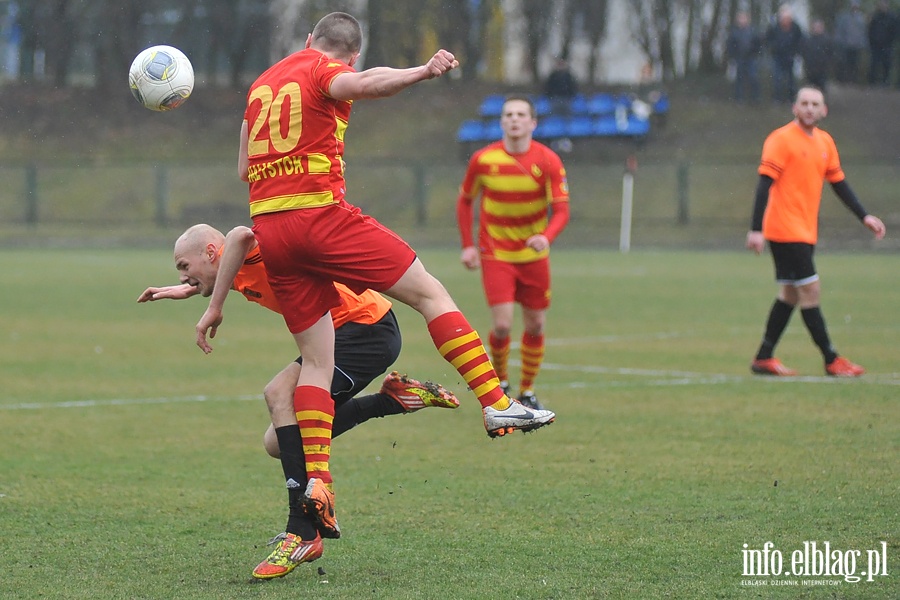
{"points": [[858, 50]]}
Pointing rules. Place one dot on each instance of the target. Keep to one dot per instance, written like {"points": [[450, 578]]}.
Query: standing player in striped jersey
{"points": [[291, 154], [796, 159], [524, 207]]}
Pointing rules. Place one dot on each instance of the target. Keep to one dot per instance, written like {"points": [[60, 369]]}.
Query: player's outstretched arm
{"points": [[381, 82], [238, 242], [243, 157], [171, 292]]}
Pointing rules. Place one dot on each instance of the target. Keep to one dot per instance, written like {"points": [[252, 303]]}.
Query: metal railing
{"points": [[675, 203]]}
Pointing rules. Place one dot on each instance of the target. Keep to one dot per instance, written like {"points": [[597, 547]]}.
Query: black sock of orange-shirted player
{"points": [[315, 415], [294, 466], [532, 358], [359, 410], [815, 323], [779, 315], [461, 346], [500, 355]]}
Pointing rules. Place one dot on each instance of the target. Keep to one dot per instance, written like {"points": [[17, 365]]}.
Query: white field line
{"points": [[666, 377], [641, 377], [127, 402]]}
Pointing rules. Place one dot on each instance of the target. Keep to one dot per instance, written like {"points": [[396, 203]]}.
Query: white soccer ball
{"points": [[161, 77]]}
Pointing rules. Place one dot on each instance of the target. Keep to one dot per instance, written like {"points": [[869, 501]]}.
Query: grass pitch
{"points": [[131, 464]]}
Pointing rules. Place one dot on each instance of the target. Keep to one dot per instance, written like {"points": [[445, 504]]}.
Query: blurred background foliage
{"points": [[91, 42]]}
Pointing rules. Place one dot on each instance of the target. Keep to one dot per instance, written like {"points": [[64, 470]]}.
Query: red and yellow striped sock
{"points": [[532, 358], [461, 346], [315, 415], [500, 355]]}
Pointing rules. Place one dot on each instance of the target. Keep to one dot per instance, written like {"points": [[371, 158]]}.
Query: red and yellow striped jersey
{"points": [[798, 163], [516, 193], [252, 281], [296, 134]]}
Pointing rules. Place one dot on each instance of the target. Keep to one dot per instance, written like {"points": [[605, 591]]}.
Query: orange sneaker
{"points": [[413, 395], [318, 501], [841, 367], [771, 366], [291, 551]]}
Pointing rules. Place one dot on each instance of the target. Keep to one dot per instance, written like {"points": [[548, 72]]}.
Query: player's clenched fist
{"points": [[440, 63]]}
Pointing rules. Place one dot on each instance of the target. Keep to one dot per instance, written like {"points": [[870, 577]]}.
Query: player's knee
{"points": [[270, 443], [501, 330]]}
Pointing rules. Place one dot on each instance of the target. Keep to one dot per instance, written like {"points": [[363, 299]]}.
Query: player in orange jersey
{"points": [[796, 158], [367, 336], [291, 154], [524, 207]]}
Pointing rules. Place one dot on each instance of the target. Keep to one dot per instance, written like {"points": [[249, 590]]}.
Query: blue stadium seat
{"points": [[492, 105], [579, 105], [601, 104], [470, 131], [661, 106], [492, 131], [580, 126], [542, 105], [605, 126], [635, 127], [551, 127]]}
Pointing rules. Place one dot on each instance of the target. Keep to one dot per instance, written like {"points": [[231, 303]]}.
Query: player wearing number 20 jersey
{"points": [[289, 170], [292, 147]]}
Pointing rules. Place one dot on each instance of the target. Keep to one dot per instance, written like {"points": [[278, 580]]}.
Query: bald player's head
{"points": [[197, 256]]}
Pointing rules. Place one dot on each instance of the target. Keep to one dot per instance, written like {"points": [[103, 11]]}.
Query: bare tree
{"points": [[593, 17], [538, 16], [711, 35], [48, 27], [652, 29], [113, 27]]}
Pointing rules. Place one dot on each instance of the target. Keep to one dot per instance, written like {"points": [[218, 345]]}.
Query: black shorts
{"points": [[793, 263], [362, 353]]}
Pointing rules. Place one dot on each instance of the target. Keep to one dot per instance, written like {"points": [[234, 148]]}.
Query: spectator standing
{"points": [[784, 40], [561, 84], [882, 32], [561, 87], [818, 55], [850, 37], [744, 46]]}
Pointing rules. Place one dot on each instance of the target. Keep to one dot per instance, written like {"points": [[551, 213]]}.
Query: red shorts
{"points": [[525, 283], [305, 250]]}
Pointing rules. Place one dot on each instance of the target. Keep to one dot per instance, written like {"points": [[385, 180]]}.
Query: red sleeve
{"points": [[467, 191], [558, 219], [464, 219], [559, 193], [559, 184]]}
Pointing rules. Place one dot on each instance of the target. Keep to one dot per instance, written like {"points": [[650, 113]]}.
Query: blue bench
{"points": [[597, 105], [556, 127]]}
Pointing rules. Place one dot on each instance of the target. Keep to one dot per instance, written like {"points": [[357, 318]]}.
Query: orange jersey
{"points": [[252, 281], [296, 134], [516, 193], [798, 163]]}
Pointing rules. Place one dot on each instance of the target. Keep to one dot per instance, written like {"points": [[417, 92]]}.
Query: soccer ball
{"points": [[161, 77]]}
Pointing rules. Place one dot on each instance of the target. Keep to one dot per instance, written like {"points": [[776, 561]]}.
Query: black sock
{"points": [[293, 463], [815, 323], [779, 315], [359, 410]]}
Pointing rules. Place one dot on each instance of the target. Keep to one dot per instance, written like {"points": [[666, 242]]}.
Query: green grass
{"points": [[131, 464]]}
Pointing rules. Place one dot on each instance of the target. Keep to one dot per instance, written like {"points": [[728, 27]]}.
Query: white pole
{"points": [[627, 197]]}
